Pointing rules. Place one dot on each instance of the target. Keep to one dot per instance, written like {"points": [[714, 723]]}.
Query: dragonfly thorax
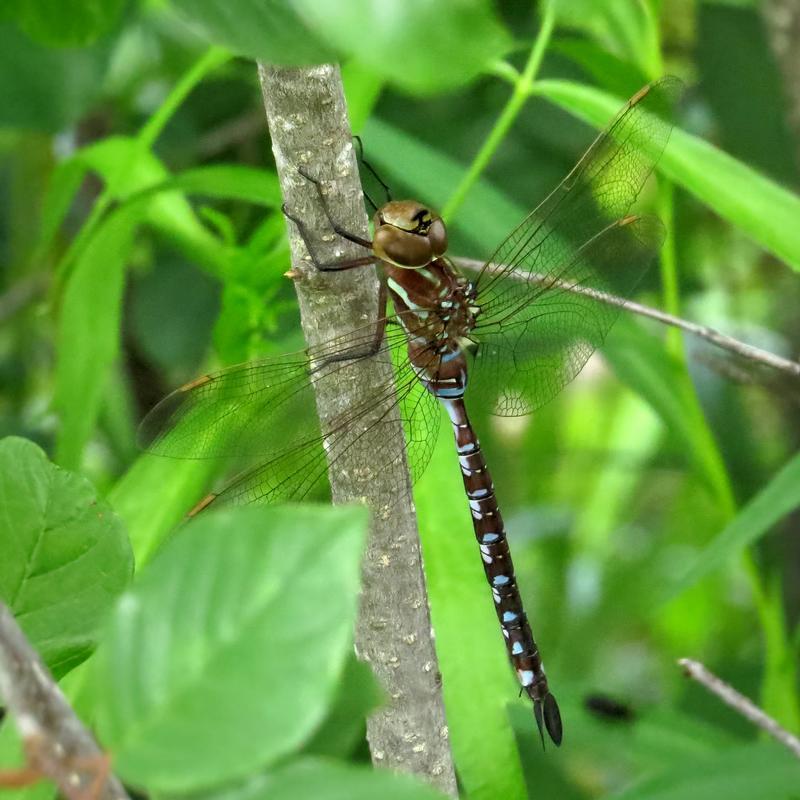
{"points": [[408, 234]]}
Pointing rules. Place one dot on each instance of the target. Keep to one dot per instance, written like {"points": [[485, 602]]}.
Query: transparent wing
{"points": [[265, 412], [535, 293], [301, 470], [550, 331]]}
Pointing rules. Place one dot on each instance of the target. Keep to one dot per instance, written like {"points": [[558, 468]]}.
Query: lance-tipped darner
{"points": [[502, 340]]}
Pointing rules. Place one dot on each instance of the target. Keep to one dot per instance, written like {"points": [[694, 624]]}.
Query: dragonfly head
{"points": [[408, 234]]}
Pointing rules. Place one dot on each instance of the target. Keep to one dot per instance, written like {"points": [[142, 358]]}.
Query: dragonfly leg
{"points": [[375, 344], [324, 266], [351, 237]]}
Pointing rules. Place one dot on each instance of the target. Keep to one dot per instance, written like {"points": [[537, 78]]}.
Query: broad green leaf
{"points": [[65, 554], [225, 654], [417, 45], [64, 23], [88, 331], [775, 501], [269, 30], [312, 779], [42, 88], [760, 207], [766, 771], [468, 640]]}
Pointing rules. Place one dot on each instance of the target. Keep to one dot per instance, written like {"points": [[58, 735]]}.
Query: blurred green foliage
{"points": [[651, 507]]}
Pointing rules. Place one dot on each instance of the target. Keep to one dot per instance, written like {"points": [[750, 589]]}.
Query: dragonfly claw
{"points": [[289, 215], [548, 717], [307, 175]]}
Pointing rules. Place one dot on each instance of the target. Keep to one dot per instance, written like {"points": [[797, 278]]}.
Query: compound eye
{"points": [[437, 235], [402, 247]]}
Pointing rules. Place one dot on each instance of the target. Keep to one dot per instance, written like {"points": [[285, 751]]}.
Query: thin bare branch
{"points": [[749, 710], [721, 340], [57, 744], [308, 123]]}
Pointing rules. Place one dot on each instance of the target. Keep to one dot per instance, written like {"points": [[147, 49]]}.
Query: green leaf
{"points": [[269, 30], [468, 641], [765, 771], [68, 22], [418, 45], [225, 655], [311, 778], [88, 331], [776, 500], [65, 554], [736, 192]]}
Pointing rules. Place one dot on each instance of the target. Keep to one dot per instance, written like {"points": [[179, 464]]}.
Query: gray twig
{"points": [[721, 340], [56, 743], [749, 710], [308, 123]]}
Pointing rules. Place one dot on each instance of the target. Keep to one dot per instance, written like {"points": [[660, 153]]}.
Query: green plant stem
{"points": [[213, 58], [670, 292], [521, 92], [652, 44]]}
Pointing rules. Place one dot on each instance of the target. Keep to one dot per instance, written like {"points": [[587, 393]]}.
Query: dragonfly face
{"points": [[407, 234]]}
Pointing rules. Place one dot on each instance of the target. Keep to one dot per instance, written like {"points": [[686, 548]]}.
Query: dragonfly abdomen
{"points": [[498, 567]]}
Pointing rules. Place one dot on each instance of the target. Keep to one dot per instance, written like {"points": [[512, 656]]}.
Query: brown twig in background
{"points": [[721, 340], [57, 745], [749, 710]]}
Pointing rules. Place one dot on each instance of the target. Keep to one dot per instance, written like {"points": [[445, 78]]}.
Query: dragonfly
{"points": [[500, 340]]}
